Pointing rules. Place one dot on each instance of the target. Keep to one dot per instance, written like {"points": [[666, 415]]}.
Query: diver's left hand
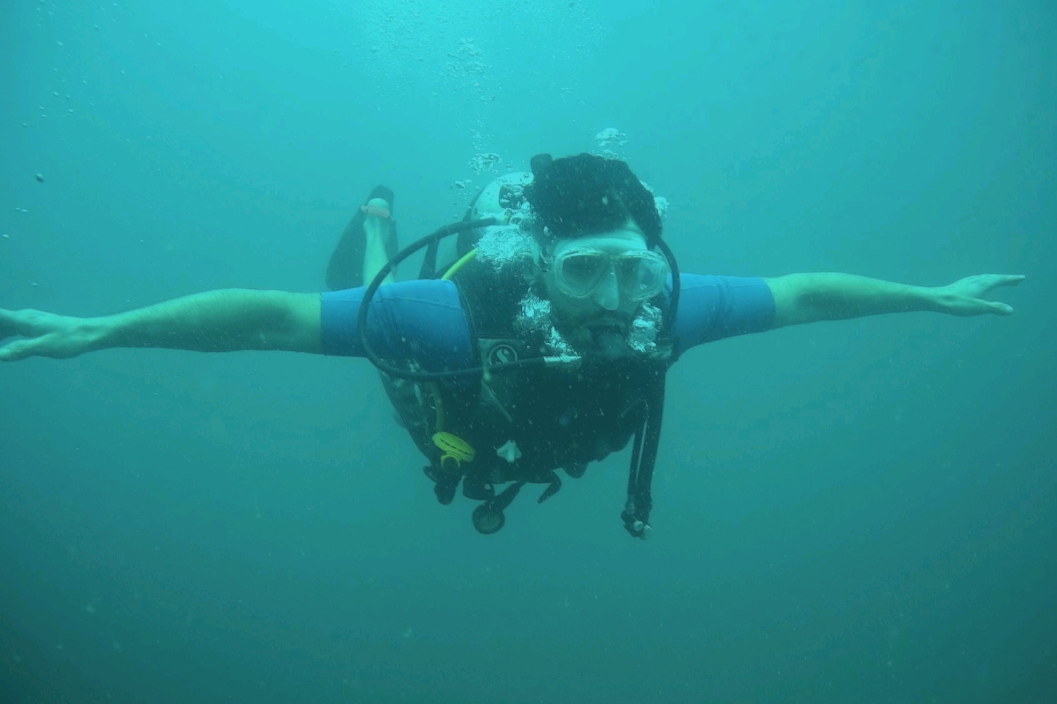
{"points": [[967, 296], [45, 335]]}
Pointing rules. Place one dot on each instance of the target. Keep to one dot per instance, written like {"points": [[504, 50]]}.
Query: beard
{"points": [[588, 327]]}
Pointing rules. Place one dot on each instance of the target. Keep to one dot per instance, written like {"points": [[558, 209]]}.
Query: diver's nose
{"points": [[607, 294]]}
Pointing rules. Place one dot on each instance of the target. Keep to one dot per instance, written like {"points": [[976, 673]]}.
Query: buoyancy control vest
{"points": [[514, 421]]}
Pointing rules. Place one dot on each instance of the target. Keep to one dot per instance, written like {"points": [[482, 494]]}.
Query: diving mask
{"points": [[640, 274]]}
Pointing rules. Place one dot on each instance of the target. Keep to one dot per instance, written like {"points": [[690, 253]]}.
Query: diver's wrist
{"points": [[101, 333]]}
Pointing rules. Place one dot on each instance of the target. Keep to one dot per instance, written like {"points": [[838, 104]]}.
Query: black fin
{"points": [[345, 269], [552, 489]]}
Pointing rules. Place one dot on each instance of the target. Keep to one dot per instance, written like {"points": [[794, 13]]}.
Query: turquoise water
{"points": [[847, 512]]}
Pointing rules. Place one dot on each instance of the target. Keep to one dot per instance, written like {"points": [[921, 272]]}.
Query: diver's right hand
{"points": [[45, 335]]}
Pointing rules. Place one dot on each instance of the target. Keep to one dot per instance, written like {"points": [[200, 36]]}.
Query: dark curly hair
{"points": [[586, 194]]}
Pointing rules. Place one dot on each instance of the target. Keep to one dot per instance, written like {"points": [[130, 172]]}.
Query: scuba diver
{"points": [[540, 347]]}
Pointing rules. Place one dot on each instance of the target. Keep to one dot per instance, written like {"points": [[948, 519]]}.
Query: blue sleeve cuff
{"points": [[714, 307]]}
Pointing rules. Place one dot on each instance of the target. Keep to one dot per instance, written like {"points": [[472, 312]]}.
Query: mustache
{"points": [[608, 320]]}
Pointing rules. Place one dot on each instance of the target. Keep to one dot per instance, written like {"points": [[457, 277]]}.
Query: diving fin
{"points": [[345, 269]]}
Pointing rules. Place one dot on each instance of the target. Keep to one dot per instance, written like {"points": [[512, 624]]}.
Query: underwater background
{"points": [[862, 511]]}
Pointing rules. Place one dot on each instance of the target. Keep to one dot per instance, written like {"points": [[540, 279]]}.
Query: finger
{"points": [[7, 323], [1007, 280], [15, 351], [18, 322], [999, 308]]}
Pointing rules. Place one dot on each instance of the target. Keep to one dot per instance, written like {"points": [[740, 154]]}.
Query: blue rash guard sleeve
{"points": [[714, 307], [420, 320]]}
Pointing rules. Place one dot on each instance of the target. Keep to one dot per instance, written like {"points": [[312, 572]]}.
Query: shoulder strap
{"points": [[636, 514]]}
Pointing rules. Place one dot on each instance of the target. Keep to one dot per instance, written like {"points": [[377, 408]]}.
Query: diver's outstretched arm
{"points": [[809, 298], [215, 321]]}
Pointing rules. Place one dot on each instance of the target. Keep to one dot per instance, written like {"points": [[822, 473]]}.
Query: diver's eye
{"points": [[643, 276], [631, 269], [583, 268]]}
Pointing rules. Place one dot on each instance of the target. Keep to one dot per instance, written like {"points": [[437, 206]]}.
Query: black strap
{"points": [[636, 514], [429, 263], [466, 242]]}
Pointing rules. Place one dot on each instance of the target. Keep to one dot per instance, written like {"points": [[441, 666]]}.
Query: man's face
{"points": [[607, 303]]}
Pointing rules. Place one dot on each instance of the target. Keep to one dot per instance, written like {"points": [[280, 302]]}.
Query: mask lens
{"points": [[642, 275], [580, 272]]}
